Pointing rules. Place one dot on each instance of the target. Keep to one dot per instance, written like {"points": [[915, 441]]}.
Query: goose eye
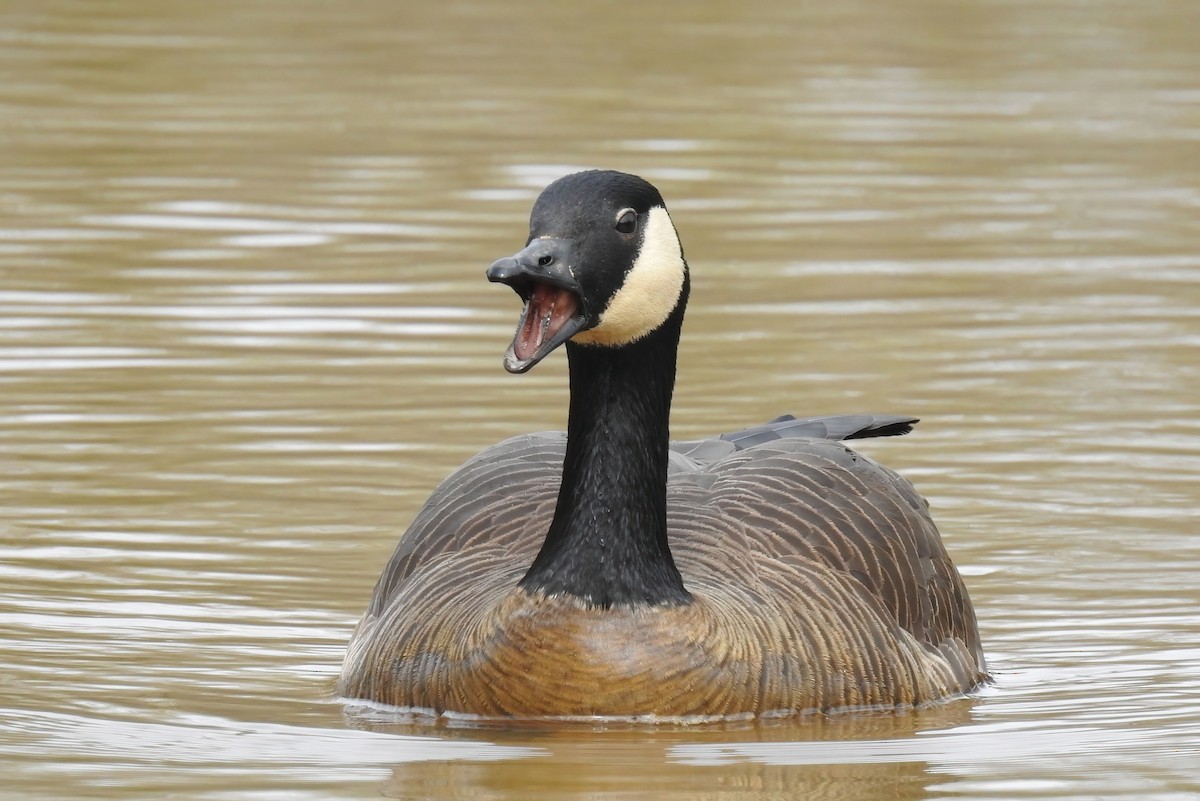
{"points": [[627, 221]]}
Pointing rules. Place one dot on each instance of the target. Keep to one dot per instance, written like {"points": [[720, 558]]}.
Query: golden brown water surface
{"points": [[244, 330]]}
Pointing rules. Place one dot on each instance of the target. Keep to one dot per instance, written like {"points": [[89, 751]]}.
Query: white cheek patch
{"points": [[651, 289]]}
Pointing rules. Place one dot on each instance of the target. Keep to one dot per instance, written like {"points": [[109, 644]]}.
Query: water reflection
{"points": [[716, 761], [591, 772]]}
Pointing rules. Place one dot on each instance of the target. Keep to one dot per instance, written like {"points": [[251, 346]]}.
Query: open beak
{"points": [[553, 310]]}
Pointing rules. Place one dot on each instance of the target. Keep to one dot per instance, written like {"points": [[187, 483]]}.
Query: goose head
{"points": [[602, 267]]}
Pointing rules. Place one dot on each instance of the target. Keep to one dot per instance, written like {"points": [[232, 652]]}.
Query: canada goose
{"points": [[608, 572]]}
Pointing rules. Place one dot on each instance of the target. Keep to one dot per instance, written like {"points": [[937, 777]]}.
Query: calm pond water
{"points": [[244, 331]]}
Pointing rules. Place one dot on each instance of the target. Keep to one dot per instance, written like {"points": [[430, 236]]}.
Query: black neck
{"points": [[607, 543]]}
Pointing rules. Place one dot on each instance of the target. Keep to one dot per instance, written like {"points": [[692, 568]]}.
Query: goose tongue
{"points": [[548, 312]]}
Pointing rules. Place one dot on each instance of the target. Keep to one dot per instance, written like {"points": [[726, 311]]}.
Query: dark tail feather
{"points": [[840, 427]]}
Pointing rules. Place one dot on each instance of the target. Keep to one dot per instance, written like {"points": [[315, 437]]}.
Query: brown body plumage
{"points": [[819, 582], [718, 578]]}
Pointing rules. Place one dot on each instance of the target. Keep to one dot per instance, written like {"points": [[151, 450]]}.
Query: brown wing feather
{"points": [[503, 497], [825, 503]]}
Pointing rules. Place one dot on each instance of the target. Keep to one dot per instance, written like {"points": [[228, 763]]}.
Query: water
{"points": [[244, 330]]}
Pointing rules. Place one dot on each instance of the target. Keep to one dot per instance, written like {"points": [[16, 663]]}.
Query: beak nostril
{"points": [[545, 261]]}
